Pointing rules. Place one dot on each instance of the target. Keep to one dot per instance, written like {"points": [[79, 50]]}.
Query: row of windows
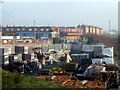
{"points": [[41, 35], [23, 29]]}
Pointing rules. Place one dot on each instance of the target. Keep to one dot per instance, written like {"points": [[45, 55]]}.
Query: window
{"points": [[30, 29], [23, 29], [11, 29], [41, 29], [35, 29], [47, 29], [7, 29], [18, 29]]}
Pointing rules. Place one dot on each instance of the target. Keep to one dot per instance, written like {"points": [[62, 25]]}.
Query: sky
{"points": [[69, 13]]}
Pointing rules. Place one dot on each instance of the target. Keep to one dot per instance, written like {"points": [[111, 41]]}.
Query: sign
{"points": [[74, 33]]}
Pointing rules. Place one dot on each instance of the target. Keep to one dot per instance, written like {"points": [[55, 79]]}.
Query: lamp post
{"points": [[34, 34]]}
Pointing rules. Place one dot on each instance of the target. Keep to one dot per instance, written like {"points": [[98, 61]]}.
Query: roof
{"points": [[88, 48], [79, 54]]}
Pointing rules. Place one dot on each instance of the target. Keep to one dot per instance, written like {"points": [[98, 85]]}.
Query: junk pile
{"points": [[56, 71], [72, 81], [92, 68], [19, 54]]}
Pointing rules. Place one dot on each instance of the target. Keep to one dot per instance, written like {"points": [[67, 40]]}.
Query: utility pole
{"points": [[34, 34], [109, 27]]}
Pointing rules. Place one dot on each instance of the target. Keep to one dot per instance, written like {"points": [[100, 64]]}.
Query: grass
{"points": [[16, 80]]}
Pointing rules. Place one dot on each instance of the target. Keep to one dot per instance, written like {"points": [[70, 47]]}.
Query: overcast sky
{"points": [[61, 13]]}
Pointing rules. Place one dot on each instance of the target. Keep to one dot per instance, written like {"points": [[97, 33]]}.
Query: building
{"points": [[85, 28], [38, 33], [71, 33], [89, 29]]}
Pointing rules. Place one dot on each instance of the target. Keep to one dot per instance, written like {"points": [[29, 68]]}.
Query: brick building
{"points": [[71, 33], [89, 29]]}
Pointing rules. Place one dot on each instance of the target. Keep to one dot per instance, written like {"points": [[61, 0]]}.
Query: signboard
{"points": [[74, 33]]}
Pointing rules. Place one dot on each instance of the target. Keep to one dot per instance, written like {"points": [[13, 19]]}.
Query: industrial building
{"points": [[36, 33]]}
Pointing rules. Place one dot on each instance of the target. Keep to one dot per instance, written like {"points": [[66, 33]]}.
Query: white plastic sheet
{"points": [[98, 61], [109, 60], [108, 52]]}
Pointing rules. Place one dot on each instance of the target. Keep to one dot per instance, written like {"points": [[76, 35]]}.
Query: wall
{"points": [[76, 47]]}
